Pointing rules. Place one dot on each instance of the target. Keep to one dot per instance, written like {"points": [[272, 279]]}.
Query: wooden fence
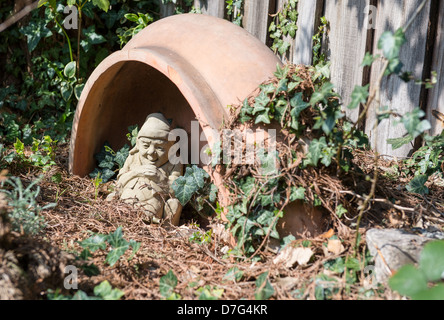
{"points": [[355, 27]]}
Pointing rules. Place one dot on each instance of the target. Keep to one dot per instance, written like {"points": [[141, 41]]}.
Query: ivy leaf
{"points": [[281, 73], [106, 292], [298, 105], [119, 246], [263, 117], [136, 246], [184, 187], [34, 32], [359, 96], [315, 150], [340, 211], [264, 289], [432, 260], [331, 116], [391, 44], [413, 124], [102, 4], [297, 194], [233, 274], [399, 142], [199, 175], [417, 185], [323, 94], [369, 59], [435, 293], [408, 281], [121, 156], [91, 38], [94, 243], [167, 284], [261, 102]]}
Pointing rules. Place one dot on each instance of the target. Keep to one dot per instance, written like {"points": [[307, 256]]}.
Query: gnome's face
{"points": [[152, 141], [153, 151]]}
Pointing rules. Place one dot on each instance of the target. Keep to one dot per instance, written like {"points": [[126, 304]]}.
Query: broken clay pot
{"points": [[187, 67]]}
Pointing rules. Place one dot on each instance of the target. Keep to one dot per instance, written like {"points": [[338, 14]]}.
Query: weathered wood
{"points": [[215, 8], [257, 19], [436, 95], [310, 12], [167, 9], [346, 45], [395, 93]]}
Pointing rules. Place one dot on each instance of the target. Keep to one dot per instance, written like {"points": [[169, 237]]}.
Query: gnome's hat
{"points": [[156, 126]]}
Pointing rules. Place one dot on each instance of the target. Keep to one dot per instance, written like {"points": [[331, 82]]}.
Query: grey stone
{"points": [[392, 249]]}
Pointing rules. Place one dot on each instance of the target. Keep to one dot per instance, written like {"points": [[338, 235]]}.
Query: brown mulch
{"points": [[80, 212]]}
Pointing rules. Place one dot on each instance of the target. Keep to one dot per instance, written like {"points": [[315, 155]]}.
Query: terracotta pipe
{"points": [[188, 66]]}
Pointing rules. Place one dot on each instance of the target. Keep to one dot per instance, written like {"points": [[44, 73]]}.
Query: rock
{"points": [[393, 249]]}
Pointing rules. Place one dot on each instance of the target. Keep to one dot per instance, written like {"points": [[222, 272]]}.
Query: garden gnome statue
{"points": [[146, 177]]}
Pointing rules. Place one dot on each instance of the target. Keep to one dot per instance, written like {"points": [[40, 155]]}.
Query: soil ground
{"points": [[82, 210]]}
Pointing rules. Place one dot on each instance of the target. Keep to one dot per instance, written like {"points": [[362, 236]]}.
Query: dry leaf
{"points": [[290, 256], [335, 247], [330, 233]]}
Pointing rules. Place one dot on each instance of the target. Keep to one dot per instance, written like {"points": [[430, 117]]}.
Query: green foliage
{"points": [[189, 184], [283, 27], [43, 85], [209, 293], [430, 158], [42, 153], [115, 240], [417, 185], [424, 282], [25, 212], [103, 291], [288, 102], [201, 237], [235, 11], [167, 284], [109, 162], [264, 289], [319, 57], [141, 20], [233, 275]]}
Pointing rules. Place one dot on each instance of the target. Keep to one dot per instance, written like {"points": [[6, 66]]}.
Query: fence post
{"points": [[310, 12], [436, 95], [395, 93], [257, 17], [215, 8], [346, 45]]}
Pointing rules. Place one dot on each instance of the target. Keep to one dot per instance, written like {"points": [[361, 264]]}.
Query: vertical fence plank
{"points": [[257, 17], [436, 95], [167, 9], [310, 12], [395, 93], [346, 45], [215, 8]]}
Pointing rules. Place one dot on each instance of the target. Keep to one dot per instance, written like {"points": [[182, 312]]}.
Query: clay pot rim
{"points": [[175, 68]]}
